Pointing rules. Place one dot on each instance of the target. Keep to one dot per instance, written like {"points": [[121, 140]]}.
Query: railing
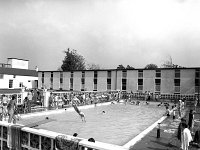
{"points": [[39, 139], [19, 97]]}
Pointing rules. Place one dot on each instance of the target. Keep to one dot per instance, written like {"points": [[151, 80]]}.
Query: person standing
{"points": [[180, 108], [191, 120], [187, 137], [195, 104], [4, 106], [12, 107]]}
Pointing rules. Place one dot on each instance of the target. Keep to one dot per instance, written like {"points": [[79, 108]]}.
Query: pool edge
{"points": [[143, 133]]}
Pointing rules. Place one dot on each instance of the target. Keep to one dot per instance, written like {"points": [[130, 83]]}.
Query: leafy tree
{"points": [[151, 66], [121, 67], [93, 66], [73, 61]]}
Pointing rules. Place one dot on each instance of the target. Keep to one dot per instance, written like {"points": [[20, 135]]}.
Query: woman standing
{"points": [[12, 106]]}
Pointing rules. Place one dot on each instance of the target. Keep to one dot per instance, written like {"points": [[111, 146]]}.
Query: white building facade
{"points": [[15, 75]]}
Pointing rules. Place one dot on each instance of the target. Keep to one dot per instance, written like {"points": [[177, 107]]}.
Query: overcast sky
{"points": [[104, 32]]}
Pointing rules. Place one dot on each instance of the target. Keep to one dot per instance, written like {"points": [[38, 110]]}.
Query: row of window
{"points": [[124, 75]]}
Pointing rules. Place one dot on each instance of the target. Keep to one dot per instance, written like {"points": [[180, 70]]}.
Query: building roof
{"points": [[123, 69], [9, 91], [18, 59], [20, 72]]}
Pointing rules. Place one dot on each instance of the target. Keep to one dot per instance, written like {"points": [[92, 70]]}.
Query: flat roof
{"points": [[17, 58], [9, 91], [122, 69], [20, 72]]}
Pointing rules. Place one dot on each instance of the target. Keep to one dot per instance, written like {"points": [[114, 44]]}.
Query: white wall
{"points": [[17, 63], [4, 83]]}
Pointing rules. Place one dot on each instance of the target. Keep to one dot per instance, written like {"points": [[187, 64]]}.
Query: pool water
{"points": [[119, 124]]}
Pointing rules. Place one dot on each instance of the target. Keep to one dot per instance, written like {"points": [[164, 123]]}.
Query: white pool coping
{"points": [[143, 133], [58, 111]]}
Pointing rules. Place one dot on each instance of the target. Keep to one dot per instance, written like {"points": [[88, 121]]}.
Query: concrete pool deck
{"points": [[151, 142]]}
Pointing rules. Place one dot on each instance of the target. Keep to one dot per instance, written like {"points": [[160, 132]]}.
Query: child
{"points": [[168, 112], [173, 113]]}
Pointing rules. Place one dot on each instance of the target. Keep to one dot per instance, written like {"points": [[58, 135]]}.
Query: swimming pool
{"points": [[118, 125]]}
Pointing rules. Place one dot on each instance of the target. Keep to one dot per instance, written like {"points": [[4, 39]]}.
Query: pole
{"points": [[158, 130]]}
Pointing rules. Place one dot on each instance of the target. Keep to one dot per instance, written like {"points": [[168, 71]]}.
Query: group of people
{"points": [[9, 108], [185, 128]]}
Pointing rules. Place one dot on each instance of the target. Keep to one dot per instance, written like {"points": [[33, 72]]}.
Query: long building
{"points": [[157, 81]]}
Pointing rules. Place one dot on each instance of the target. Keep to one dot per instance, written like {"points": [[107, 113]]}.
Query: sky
{"points": [[105, 32]]}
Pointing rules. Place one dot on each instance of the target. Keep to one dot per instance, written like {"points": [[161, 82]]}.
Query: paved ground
{"points": [[167, 140]]}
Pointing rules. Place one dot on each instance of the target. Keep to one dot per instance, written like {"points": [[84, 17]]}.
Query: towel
{"points": [[9, 138], [187, 138], [14, 137], [66, 143]]}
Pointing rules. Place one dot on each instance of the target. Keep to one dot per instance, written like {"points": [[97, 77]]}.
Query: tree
{"points": [[93, 66], [73, 61], [129, 67], [151, 66], [121, 67], [169, 64]]}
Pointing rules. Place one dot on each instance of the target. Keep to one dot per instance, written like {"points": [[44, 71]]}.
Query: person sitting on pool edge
{"points": [[168, 112], [91, 140]]}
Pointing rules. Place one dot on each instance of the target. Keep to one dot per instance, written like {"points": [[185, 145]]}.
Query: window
{"points": [[109, 74], [72, 74], [51, 79], [61, 77], [197, 73], [124, 74], [108, 84], [42, 77], [140, 73], [177, 85], [1, 76], [10, 83], [157, 81], [157, 84], [176, 82], [123, 84], [158, 73], [177, 73], [95, 81], [20, 84], [83, 74], [42, 74], [95, 74], [71, 84], [197, 82], [140, 84], [95, 84], [82, 84], [82, 80], [140, 81]]}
